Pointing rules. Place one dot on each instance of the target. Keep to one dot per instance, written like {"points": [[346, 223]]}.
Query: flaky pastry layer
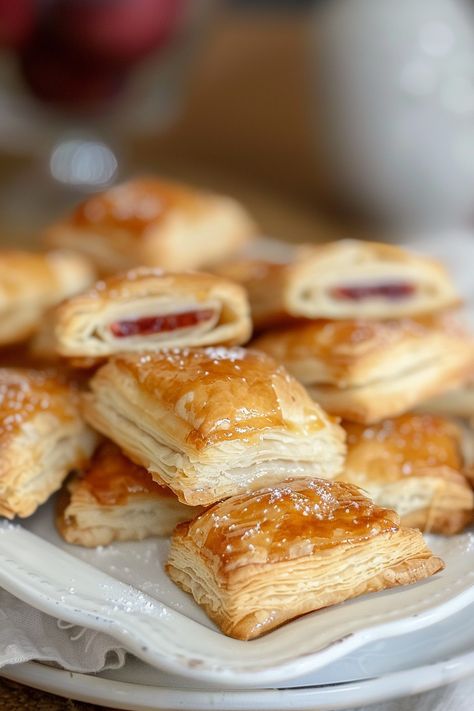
{"points": [[148, 309], [212, 422], [258, 560], [113, 499], [345, 279]]}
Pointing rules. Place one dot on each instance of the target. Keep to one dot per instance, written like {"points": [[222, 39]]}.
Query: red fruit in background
{"points": [[117, 31], [58, 77], [17, 21]]}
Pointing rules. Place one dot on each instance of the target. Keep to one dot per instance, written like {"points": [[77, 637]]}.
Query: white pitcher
{"points": [[393, 90]]}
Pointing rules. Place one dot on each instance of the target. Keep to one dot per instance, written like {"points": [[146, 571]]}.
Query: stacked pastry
{"points": [[216, 421], [194, 429], [42, 433], [143, 309], [42, 429], [228, 428], [371, 331]]}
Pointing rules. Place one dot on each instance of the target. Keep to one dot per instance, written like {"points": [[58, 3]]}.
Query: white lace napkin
{"points": [[27, 634]]}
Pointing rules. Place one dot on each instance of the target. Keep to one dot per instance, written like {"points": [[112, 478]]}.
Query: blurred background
{"points": [[326, 117]]}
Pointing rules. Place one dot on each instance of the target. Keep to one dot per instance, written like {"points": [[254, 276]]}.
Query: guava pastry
{"points": [[149, 221], [366, 370], [344, 280], [413, 464], [262, 558], [114, 499], [42, 437], [209, 423], [147, 309]]}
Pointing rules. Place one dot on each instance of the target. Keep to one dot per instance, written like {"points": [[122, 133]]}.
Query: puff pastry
{"points": [[42, 437], [147, 309], [212, 422], [260, 559], [344, 280], [414, 465], [366, 371], [31, 283], [116, 500], [152, 222]]}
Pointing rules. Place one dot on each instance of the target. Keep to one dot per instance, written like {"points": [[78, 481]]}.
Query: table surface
{"points": [[15, 697]]}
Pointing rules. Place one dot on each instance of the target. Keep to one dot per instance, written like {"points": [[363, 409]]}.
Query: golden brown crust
{"points": [[136, 204], [42, 437], [355, 352], [111, 478], [153, 222], [404, 446], [113, 499], [414, 464], [342, 280], [221, 394], [366, 370], [26, 393], [214, 311], [31, 283], [209, 422], [258, 560], [294, 519]]}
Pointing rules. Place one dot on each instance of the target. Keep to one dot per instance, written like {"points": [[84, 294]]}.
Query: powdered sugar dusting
{"points": [[287, 521]]}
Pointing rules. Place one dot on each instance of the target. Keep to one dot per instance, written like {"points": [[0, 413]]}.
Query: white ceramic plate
{"points": [[123, 590], [387, 669]]}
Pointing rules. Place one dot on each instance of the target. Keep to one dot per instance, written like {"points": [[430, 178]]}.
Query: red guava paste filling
{"points": [[393, 292], [148, 325]]}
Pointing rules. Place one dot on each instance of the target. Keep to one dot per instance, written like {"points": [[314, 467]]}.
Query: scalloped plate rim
{"points": [[185, 665]]}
